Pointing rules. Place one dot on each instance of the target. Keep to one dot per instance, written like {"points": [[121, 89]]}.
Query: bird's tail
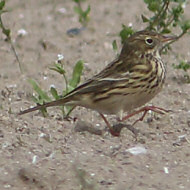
{"points": [[45, 105]]}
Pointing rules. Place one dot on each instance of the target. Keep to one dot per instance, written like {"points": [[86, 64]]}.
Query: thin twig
{"points": [[182, 34], [164, 9], [158, 16], [170, 20]]}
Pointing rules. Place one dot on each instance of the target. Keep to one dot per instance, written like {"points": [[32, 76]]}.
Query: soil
{"points": [[53, 153]]}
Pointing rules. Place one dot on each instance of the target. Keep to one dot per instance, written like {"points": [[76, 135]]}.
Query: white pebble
{"points": [[34, 159], [166, 171], [42, 135], [22, 32], [137, 150]]}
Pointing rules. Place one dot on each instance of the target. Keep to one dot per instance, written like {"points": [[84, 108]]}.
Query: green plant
{"points": [[41, 96], [7, 32], [123, 34], [185, 66], [70, 84], [167, 17], [83, 14]]}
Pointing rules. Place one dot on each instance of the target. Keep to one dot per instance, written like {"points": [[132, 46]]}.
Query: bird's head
{"points": [[145, 42]]}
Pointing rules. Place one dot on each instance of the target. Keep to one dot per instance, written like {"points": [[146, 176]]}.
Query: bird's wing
{"points": [[114, 75]]}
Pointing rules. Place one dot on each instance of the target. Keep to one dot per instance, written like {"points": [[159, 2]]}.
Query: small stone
{"points": [[137, 150], [82, 126]]}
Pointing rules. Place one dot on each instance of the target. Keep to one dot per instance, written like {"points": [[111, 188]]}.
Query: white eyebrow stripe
{"points": [[112, 79]]}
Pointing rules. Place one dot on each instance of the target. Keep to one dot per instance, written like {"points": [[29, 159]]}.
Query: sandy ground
{"points": [[49, 153]]}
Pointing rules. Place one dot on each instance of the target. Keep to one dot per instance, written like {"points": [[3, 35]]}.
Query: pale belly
{"points": [[118, 103]]}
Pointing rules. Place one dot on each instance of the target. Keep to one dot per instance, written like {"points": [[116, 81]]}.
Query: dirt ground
{"points": [[49, 153]]}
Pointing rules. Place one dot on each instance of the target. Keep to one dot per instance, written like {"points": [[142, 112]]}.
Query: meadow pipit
{"points": [[128, 82]]}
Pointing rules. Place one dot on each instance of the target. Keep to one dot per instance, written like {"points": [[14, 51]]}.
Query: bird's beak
{"points": [[168, 38]]}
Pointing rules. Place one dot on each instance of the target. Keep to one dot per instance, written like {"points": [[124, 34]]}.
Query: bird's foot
{"points": [[145, 110], [115, 133]]}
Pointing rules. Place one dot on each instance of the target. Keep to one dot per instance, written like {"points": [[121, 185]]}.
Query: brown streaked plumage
{"points": [[128, 82]]}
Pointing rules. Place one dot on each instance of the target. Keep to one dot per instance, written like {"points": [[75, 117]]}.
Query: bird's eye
{"points": [[149, 41]]}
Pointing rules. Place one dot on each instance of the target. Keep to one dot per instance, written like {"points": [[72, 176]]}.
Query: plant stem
{"points": [[5, 31], [170, 20], [66, 83], [16, 55], [163, 10], [182, 34], [159, 15]]}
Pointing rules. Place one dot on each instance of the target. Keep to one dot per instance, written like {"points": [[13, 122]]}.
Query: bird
{"points": [[130, 81]]}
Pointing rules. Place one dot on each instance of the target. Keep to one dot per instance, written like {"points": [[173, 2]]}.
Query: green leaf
{"points": [[125, 33], [87, 10], [64, 92], [42, 94], [166, 31], [153, 5], [144, 19], [2, 4], [146, 1], [77, 71], [7, 32], [177, 11], [78, 10], [114, 45], [185, 25], [70, 88], [54, 93], [83, 15], [36, 100], [58, 68]]}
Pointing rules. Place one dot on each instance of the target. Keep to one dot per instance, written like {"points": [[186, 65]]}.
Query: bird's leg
{"points": [[145, 110], [141, 118], [109, 126]]}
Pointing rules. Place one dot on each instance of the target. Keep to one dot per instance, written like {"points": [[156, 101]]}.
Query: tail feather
{"points": [[48, 104]]}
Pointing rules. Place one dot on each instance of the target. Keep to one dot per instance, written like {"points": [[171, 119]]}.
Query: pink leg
{"points": [[145, 110], [109, 126]]}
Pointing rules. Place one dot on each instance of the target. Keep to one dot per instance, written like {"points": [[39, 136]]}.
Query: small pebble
{"points": [[74, 31], [137, 150], [22, 32], [166, 171]]}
